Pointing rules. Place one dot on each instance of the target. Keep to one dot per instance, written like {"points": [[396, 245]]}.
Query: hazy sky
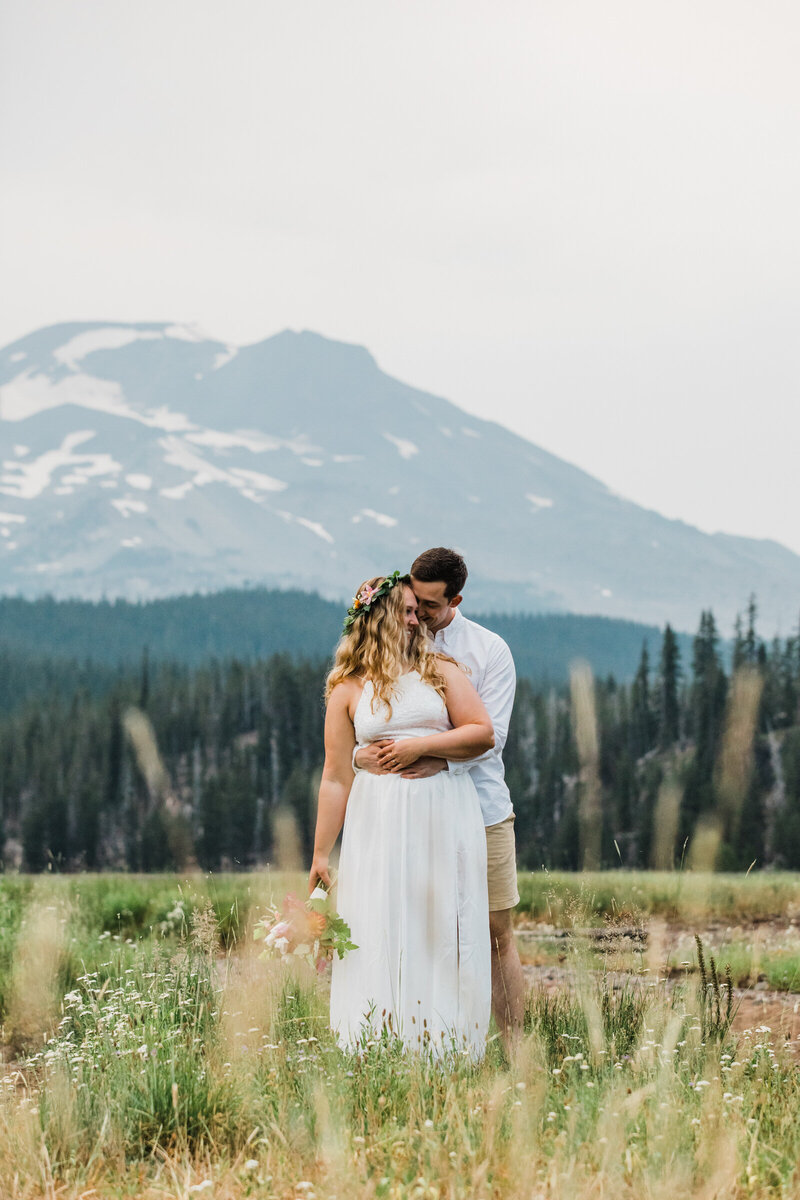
{"points": [[576, 217]]}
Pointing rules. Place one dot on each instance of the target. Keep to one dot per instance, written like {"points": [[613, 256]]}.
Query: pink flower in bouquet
{"points": [[311, 930], [316, 924]]}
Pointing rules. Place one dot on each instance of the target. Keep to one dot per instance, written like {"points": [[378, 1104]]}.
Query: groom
{"points": [[438, 577]]}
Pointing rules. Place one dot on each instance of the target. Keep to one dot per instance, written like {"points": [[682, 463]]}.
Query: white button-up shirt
{"points": [[494, 678]]}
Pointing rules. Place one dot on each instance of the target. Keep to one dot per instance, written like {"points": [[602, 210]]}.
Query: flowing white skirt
{"points": [[412, 887]]}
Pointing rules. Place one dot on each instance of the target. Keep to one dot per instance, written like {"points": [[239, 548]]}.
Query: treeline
{"points": [[669, 728], [165, 765], [172, 766], [255, 623]]}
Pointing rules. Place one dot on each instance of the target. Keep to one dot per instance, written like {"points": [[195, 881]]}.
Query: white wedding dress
{"points": [[412, 887]]}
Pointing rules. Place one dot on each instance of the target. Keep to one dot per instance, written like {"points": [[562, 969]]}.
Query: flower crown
{"points": [[365, 599]]}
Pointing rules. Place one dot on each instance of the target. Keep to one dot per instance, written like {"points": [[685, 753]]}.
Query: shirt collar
{"points": [[451, 626]]}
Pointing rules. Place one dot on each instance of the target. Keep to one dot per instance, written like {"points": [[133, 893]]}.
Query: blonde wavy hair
{"points": [[376, 647]]}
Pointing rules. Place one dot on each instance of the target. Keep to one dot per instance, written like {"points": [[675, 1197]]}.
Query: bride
{"points": [[412, 868]]}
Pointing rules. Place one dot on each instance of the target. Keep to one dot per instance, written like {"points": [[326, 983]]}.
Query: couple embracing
{"points": [[418, 706]]}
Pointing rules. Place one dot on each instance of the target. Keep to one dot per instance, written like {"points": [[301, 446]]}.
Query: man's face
{"points": [[434, 609]]}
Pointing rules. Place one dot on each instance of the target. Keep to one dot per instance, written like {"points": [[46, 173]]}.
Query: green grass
{"points": [[129, 909], [169, 1061], [103, 911], [169, 1065], [675, 896]]}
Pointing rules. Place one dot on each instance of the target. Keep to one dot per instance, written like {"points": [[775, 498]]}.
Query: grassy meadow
{"points": [[149, 1051]]}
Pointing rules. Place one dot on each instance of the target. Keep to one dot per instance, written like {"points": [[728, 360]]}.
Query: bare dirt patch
{"points": [[655, 954]]}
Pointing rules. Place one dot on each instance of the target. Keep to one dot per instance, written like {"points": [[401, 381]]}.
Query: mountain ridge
{"points": [[146, 459]]}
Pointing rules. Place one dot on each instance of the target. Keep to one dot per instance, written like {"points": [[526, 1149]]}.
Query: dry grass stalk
{"points": [[665, 825], [33, 1009], [288, 852], [584, 724]]}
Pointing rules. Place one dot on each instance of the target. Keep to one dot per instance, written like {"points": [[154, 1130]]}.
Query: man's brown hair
{"points": [[441, 566]]}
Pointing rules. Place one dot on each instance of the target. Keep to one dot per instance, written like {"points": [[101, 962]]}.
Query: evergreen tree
{"points": [[642, 722], [751, 638], [668, 705], [707, 715], [738, 653]]}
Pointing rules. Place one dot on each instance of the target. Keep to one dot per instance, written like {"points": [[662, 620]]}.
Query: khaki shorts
{"points": [[501, 865]]}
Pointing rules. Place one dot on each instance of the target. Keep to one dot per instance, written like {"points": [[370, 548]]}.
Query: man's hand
{"points": [[367, 757], [425, 767]]}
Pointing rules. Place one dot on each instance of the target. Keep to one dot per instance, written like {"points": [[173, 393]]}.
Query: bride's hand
{"points": [[397, 757], [319, 872]]}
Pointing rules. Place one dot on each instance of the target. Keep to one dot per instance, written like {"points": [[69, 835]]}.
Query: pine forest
{"points": [[158, 764]]}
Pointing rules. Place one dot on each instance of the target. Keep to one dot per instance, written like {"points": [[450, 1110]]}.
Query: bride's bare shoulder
{"points": [[450, 666], [355, 682], [347, 691]]}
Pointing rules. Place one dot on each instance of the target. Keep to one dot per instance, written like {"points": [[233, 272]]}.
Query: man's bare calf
{"points": [[508, 983]]}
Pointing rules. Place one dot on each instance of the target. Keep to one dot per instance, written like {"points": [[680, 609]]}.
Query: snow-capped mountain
{"points": [[143, 460]]}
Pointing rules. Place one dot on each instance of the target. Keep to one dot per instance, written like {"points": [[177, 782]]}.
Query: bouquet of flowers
{"points": [[312, 931]]}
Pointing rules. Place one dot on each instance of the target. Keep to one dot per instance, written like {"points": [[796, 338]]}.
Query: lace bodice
{"points": [[417, 711]]}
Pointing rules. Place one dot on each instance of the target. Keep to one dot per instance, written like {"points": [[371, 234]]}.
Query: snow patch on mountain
{"points": [[179, 454], [379, 517], [405, 448], [128, 505], [186, 333], [256, 479], [27, 480], [224, 357], [256, 442], [315, 527], [32, 394], [108, 337], [179, 492]]}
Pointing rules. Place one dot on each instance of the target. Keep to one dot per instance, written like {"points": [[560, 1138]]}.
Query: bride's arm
{"points": [[471, 735], [337, 779]]}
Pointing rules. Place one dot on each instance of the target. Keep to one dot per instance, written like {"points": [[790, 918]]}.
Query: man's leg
{"points": [[508, 983]]}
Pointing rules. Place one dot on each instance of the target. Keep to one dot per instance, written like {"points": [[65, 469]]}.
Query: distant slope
{"points": [[148, 460], [257, 623]]}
